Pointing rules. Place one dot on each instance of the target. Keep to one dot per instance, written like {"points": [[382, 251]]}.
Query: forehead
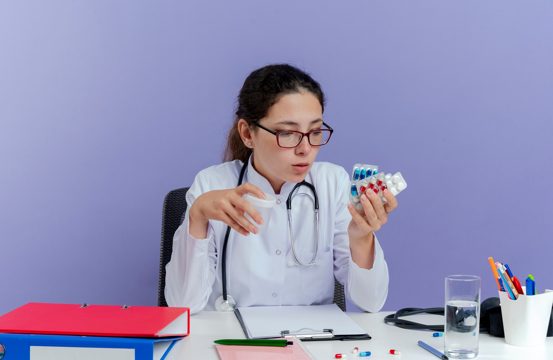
{"points": [[297, 107]]}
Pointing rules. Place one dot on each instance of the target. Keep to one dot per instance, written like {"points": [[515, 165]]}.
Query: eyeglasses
{"points": [[292, 138]]}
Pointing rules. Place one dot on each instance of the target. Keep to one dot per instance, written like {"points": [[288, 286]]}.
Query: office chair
{"points": [[174, 207]]}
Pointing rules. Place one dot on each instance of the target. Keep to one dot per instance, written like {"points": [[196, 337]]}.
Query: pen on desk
{"points": [[434, 351], [255, 342]]}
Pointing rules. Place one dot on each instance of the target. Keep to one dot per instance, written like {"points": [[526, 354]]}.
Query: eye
{"points": [[285, 133]]}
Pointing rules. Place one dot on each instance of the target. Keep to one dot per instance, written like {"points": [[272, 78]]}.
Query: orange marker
{"points": [[495, 274]]}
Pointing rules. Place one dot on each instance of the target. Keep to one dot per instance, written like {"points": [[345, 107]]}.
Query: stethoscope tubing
{"points": [[289, 211], [225, 242]]}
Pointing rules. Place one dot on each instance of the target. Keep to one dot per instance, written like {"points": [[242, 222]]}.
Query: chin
{"points": [[295, 178]]}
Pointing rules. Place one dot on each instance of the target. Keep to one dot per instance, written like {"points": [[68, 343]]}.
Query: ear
{"points": [[245, 133]]}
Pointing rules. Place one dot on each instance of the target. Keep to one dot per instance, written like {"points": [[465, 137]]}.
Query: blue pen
{"points": [[509, 270], [507, 287], [501, 284], [427, 347], [530, 285]]}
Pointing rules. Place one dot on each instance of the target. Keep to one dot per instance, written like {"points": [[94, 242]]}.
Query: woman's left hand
{"points": [[364, 223], [374, 215]]}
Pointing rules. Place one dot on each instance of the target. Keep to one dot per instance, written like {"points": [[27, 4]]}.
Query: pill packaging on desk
{"points": [[367, 177]]}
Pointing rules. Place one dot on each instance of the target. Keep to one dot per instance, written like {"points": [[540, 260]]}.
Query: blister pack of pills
{"points": [[374, 180], [362, 171]]}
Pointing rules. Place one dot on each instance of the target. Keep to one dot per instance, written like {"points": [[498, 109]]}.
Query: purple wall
{"points": [[107, 105]]}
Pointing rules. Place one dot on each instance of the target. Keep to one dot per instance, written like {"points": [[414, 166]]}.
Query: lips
{"points": [[300, 169]]}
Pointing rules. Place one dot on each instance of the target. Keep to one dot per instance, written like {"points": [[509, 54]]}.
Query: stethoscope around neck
{"points": [[225, 302]]}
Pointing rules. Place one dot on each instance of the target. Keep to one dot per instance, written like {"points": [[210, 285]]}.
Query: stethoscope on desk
{"points": [[225, 302]]}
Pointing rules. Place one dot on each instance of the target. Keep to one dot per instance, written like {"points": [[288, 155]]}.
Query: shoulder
{"points": [[220, 176], [331, 181]]}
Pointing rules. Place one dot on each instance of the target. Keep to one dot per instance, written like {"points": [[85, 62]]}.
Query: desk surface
{"points": [[211, 325]]}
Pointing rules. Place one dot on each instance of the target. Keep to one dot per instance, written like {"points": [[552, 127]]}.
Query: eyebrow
{"points": [[293, 123]]}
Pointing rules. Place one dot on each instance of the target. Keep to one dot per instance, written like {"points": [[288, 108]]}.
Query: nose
{"points": [[304, 147]]}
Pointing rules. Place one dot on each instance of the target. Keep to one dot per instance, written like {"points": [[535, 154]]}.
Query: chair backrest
{"points": [[174, 207]]}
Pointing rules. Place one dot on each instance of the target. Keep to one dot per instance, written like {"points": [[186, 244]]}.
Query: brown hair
{"points": [[261, 90]]}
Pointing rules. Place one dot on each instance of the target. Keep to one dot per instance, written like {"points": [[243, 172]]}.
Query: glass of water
{"points": [[462, 316]]}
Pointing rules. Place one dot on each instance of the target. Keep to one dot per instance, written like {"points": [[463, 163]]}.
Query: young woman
{"points": [[272, 147]]}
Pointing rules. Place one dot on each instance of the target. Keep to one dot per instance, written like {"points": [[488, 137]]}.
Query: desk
{"points": [[211, 325]]}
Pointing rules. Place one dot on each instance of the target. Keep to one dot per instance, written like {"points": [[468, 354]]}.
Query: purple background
{"points": [[107, 105]]}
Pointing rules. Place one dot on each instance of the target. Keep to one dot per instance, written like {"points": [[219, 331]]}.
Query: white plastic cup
{"points": [[525, 320], [263, 206]]}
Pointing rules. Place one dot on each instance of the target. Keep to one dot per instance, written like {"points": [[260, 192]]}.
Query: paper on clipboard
{"points": [[309, 322]]}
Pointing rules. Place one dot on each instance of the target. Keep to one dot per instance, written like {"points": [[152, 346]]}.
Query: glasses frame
{"points": [[277, 132]]}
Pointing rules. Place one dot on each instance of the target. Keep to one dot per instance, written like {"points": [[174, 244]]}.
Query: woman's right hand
{"points": [[227, 206]]}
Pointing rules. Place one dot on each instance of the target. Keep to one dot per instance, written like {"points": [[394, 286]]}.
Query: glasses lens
{"points": [[289, 138], [319, 137]]}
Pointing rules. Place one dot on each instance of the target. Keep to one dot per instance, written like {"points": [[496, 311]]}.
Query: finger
{"points": [[238, 216], [250, 188], [378, 207], [358, 219], [245, 206], [391, 201], [370, 213], [234, 225]]}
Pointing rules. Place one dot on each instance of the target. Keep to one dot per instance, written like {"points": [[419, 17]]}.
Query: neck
{"points": [[275, 184]]}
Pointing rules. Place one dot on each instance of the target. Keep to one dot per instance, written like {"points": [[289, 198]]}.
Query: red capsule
{"points": [[394, 352]]}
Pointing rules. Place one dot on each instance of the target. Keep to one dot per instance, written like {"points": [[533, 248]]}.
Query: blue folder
{"points": [[22, 346]]}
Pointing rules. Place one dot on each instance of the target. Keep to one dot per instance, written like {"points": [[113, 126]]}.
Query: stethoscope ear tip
{"points": [[225, 305]]}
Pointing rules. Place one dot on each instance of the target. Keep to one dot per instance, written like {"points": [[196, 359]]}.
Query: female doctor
{"points": [[272, 147]]}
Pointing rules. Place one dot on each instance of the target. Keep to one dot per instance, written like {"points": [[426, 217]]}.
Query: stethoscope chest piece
{"points": [[225, 305]]}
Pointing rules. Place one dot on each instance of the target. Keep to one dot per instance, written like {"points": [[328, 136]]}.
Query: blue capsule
{"points": [[356, 173], [365, 353], [354, 190], [438, 334], [363, 174]]}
